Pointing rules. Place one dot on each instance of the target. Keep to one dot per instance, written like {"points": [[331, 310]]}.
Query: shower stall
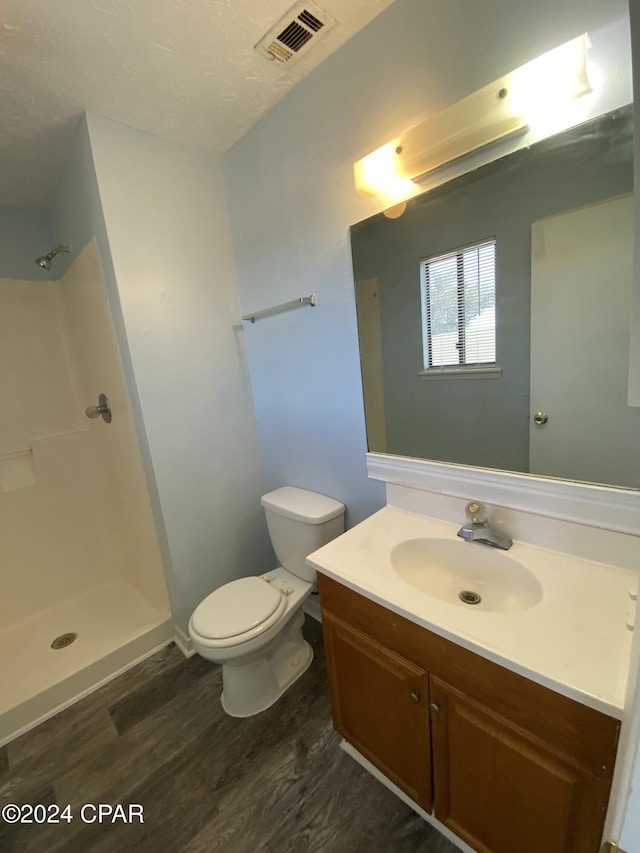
{"points": [[83, 589]]}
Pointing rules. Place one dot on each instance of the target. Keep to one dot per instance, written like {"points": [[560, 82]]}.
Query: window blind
{"points": [[459, 306]]}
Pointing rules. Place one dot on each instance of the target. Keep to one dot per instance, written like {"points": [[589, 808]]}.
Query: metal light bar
{"points": [[480, 119], [530, 97], [471, 124], [277, 309]]}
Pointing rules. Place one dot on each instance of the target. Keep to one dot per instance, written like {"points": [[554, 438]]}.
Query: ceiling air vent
{"points": [[293, 33]]}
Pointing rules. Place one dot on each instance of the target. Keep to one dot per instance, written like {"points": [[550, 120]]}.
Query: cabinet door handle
{"points": [[415, 697], [434, 708]]}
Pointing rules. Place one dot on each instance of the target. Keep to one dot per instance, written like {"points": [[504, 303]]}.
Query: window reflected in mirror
{"points": [[511, 286], [459, 307]]}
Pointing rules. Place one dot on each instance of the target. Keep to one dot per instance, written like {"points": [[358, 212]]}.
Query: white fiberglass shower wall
{"points": [[78, 546]]}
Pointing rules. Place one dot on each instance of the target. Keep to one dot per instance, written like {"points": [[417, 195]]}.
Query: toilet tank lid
{"points": [[302, 505]]}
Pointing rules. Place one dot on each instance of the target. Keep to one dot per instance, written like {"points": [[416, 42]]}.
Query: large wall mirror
{"points": [[550, 398]]}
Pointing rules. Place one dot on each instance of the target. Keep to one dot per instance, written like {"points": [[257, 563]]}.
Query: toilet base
{"points": [[254, 685]]}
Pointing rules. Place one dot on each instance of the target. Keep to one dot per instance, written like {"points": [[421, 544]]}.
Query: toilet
{"points": [[253, 626]]}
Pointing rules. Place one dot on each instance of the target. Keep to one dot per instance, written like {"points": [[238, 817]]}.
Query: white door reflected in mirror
{"points": [[581, 273]]}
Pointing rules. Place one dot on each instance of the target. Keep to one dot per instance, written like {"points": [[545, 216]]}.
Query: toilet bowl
{"points": [[257, 625], [252, 626]]}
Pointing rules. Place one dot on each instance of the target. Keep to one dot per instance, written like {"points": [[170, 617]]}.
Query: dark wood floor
{"points": [[157, 736]]}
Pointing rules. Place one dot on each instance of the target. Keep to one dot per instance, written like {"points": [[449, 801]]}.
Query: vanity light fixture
{"points": [[549, 90], [509, 105]]}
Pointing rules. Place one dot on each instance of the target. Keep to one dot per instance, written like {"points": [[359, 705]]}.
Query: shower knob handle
{"points": [[102, 410]]}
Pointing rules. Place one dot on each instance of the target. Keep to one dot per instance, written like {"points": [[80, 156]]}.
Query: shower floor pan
{"points": [[115, 628]]}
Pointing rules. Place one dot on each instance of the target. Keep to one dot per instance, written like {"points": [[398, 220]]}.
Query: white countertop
{"points": [[574, 641]]}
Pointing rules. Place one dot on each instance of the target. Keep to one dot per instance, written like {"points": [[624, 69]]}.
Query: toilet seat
{"points": [[237, 612]]}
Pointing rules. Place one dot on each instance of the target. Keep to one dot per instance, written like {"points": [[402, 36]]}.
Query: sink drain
{"points": [[469, 597], [64, 640]]}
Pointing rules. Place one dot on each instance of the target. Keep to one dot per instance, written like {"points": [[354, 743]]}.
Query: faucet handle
{"points": [[476, 512]]}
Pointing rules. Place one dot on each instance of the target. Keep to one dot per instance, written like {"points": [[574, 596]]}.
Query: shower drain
{"points": [[64, 640], [469, 597]]}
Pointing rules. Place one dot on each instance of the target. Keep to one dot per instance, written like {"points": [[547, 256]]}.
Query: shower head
{"points": [[45, 260]]}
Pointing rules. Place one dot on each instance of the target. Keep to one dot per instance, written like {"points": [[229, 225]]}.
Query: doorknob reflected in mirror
{"points": [[541, 418]]}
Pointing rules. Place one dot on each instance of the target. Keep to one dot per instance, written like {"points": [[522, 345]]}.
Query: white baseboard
{"points": [[435, 823], [183, 642]]}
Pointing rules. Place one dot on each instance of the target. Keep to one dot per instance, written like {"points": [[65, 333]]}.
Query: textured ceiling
{"points": [[184, 70]]}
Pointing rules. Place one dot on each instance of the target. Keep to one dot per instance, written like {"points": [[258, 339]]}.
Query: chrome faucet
{"points": [[478, 529]]}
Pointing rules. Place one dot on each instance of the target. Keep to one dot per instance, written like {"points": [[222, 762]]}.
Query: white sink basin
{"points": [[461, 572], [555, 617]]}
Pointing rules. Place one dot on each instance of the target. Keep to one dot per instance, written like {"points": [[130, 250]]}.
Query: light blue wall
{"points": [[75, 210], [291, 199], [24, 236], [159, 216]]}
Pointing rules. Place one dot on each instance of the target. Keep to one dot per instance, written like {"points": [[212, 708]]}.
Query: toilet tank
{"points": [[300, 522]]}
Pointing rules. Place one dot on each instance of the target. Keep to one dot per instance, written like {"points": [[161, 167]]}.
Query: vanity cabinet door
{"points": [[503, 790], [380, 705]]}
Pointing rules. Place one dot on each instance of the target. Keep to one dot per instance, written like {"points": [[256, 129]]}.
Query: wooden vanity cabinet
{"points": [[508, 765], [380, 705]]}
